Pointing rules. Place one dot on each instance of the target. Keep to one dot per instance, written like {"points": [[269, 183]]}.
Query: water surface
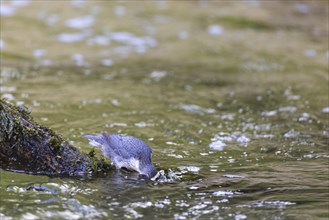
{"points": [[233, 103]]}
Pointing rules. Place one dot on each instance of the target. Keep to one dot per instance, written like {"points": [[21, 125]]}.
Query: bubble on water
{"points": [[141, 204], [194, 187], [240, 217], [325, 110], [193, 169], [99, 40], [115, 102], [223, 193], [217, 145], [215, 30], [39, 53], [79, 59], [29, 216], [269, 113], [72, 37], [171, 176], [81, 22], [224, 137], [158, 75], [291, 134], [76, 210], [44, 119], [233, 176], [315, 156], [203, 208], [116, 125], [196, 109], [304, 117], [8, 96], [243, 139], [107, 62], [269, 204], [135, 43], [228, 116], [178, 156], [162, 203], [223, 201], [16, 189]]}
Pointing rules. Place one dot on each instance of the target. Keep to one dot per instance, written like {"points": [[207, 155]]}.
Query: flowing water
{"points": [[236, 133]]}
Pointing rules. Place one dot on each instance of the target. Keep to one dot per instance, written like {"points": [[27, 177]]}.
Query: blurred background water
{"points": [[231, 96]]}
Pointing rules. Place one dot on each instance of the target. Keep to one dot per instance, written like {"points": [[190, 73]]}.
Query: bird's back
{"points": [[126, 146]]}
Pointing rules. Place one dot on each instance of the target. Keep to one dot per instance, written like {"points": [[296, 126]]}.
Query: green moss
{"points": [[92, 153], [55, 143]]}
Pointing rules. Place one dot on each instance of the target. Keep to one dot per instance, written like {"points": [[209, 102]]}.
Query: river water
{"points": [[235, 134]]}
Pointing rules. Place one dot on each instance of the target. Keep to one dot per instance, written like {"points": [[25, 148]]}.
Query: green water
{"points": [[240, 132]]}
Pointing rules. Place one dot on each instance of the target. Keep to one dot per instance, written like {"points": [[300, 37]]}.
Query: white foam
{"points": [[291, 134], [8, 96], [39, 53], [243, 139], [158, 75], [107, 62], [71, 37], [215, 30], [325, 110], [193, 169], [223, 193], [79, 59], [81, 22], [217, 145], [269, 113]]}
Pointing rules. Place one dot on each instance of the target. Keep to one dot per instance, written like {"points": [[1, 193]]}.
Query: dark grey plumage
{"points": [[126, 151]]}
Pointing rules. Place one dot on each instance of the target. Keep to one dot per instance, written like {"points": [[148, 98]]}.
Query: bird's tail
{"points": [[96, 140]]}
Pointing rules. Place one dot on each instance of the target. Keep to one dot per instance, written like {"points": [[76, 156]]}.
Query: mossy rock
{"points": [[28, 147]]}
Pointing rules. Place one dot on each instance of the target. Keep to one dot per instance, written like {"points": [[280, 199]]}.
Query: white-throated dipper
{"points": [[125, 151]]}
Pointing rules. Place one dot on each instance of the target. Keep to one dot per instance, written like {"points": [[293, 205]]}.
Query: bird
{"points": [[125, 151]]}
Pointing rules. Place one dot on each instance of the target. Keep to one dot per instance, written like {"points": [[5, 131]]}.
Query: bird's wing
{"points": [[126, 146]]}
